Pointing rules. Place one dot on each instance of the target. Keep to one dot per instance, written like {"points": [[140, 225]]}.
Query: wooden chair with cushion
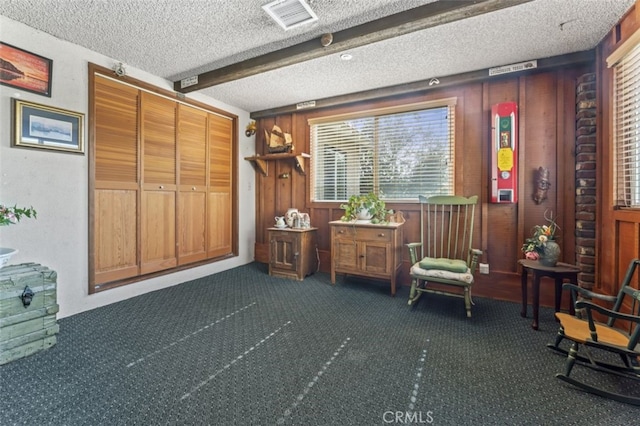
{"points": [[443, 261], [618, 334]]}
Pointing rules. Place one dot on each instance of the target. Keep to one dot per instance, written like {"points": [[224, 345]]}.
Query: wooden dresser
{"points": [[292, 252], [366, 250]]}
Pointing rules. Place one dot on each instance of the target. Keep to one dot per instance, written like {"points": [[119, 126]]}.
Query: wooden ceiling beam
{"points": [[420, 18]]}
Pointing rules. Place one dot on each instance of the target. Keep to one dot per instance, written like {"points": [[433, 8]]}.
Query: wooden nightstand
{"points": [[292, 252]]}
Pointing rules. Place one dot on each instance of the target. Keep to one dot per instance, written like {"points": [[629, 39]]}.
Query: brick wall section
{"points": [[586, 179]]}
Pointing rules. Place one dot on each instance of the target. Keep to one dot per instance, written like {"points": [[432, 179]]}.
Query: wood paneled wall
{"points": [[546, 102], [617, 230]]}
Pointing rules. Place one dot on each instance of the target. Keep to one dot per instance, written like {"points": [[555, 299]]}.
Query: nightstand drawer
{"points": [[375, 234], [351, 232]]}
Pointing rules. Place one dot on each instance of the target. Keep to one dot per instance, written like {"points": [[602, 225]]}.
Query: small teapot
{"points": [[280, 222]]}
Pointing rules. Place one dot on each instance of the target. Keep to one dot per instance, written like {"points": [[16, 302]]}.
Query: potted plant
{"points": [[10, 216], [541, 245], [365, 207]]}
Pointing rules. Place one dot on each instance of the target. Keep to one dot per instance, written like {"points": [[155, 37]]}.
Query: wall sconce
{"points": [[251, 129]]}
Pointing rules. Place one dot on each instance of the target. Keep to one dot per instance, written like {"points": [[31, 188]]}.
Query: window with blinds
{"points": [[627, 128], [397, 153]]}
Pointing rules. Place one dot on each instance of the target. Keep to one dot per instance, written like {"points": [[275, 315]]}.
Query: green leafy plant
{"points": [[13, 215], [370, 204]]}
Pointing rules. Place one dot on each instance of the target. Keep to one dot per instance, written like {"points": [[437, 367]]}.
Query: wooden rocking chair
{"points": [[596, 337], [445, 258]]}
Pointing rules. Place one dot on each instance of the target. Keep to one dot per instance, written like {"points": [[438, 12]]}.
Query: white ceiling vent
{"points": [[290, 13]]}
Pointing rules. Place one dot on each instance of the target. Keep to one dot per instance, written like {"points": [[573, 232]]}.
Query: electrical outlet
{"points": [[484, 268]]}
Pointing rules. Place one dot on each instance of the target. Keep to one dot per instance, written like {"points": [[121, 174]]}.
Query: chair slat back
{"points": [[627, 289], [446, 226], [634, 332]]}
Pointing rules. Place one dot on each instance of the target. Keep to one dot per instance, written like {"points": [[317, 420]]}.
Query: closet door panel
{"points": [[220, 213], [114, 210], [158, 139], [116, 134], [220, 224], [158, 216], [158, 231], [116, 248], [192, 199]]}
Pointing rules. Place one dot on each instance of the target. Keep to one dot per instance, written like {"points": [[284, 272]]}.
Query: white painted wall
{"points": [[56, 183]]}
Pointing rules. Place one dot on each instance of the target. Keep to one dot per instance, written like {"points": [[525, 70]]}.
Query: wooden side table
{"points": [[367, 250], [560, 272]]}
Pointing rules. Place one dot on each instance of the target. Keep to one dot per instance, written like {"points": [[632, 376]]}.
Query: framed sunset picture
{"points": [[25, 70]]}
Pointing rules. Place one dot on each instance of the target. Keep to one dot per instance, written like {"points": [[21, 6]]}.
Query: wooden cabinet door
{"points": [[158, 135], [114, 237], [345, 256], [375, 257], [192, 196], [285, 251], [220, 197]]}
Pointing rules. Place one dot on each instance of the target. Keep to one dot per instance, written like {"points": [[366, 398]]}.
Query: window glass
{"points": [[627, 130], [397, 155]]}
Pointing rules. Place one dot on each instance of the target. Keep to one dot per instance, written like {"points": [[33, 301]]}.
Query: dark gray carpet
{"points": [[243, 348]]}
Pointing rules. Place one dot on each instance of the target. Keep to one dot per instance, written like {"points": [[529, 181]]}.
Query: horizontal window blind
{"points": [[627, 129], [397, 155]]}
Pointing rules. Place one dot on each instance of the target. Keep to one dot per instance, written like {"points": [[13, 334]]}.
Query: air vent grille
{"points": [[290, 13]]}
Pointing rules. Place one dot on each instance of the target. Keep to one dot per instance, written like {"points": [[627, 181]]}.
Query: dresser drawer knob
{"points": [[381, 234]]}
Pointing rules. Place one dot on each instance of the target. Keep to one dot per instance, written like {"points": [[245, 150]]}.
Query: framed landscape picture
{"points": [[41, 126], [25, 70]]}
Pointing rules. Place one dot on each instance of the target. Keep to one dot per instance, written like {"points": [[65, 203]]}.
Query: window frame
{"points": [[629, 51], [450, 103]]}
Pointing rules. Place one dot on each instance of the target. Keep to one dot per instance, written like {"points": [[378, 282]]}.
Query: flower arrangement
{"points": [[13, 215], [533, 246]]}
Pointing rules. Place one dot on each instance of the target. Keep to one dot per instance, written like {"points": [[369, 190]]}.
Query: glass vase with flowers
{"points": [[542, 245]]}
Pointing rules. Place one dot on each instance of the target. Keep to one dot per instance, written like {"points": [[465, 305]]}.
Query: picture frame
{"points": [[25, 70], [46, 127]]}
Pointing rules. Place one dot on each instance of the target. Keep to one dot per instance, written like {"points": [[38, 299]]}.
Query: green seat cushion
{"points": [[444, 264]]}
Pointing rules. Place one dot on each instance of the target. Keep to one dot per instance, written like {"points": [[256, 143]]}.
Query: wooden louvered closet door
{"points": [[161, 176], [192, 195], [159, 183], [220, 203], [115, 198]]}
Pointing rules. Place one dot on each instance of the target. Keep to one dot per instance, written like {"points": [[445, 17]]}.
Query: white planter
{"points": [[363, 214], [5, 255]]}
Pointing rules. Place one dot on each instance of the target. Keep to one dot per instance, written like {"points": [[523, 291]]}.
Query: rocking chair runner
{"points": [[445, 257], [591, 334]]}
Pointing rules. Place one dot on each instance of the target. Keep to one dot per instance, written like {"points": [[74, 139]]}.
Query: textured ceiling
{"points": [[175, 39]]}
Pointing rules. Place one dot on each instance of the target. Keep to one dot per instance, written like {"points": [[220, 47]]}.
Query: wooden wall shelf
{"points": [[261, 162]]}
